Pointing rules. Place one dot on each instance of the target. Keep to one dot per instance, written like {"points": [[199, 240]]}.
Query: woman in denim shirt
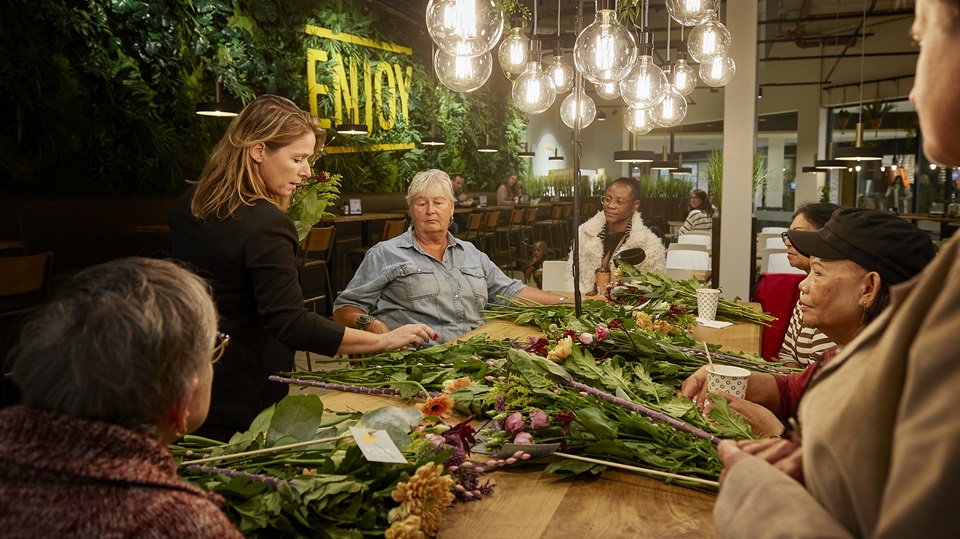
{"points": [[426, 275]]}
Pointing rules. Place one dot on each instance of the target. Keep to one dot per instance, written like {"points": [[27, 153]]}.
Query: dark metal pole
{"points": [[577, 87]]}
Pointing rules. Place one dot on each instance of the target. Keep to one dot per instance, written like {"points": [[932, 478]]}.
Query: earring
{"points": [[863, 314]]}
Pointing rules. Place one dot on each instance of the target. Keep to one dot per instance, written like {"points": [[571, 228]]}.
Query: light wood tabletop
{"points": [[530, 504]]}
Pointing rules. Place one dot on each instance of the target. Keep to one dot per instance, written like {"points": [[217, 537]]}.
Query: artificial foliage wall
{"points": [[97, 97]]}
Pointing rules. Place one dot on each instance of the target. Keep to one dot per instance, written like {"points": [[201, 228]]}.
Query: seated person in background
{"points": [[854, 259], [112, 370], [617, 228], [700, 216], [534, 268], [509, 190], [460, 198], [803, 345], [427, 274]]}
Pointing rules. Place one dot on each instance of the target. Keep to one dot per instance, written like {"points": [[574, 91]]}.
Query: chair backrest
{"points": [[587, 210], [677, 274], [392, 229], [696, 239], [25, 274], [555, 273], [318, 245], [687, 247], [530, 215], [473, 221], [557, 213], [773, 229], [492, 218], [516, 217], [774, 243], [691, 260], [779, 263], [763, 237]]}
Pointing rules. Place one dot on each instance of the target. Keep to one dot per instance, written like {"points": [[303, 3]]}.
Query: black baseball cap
{"points": [[877, 241]]}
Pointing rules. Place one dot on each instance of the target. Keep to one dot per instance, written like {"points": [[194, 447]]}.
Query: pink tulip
{"points": [[538, 420]]}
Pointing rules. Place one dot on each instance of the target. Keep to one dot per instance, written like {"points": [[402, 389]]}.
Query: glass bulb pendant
{"points": [[465, 27], [460, 73], [638, 120], [708, 41], [569, 111], [562, 74], [608, 91], [684, 77], [605, 50], [718, 72], [645, 85], [692, 12], [671, 110], [533, 91], [513, 51]]}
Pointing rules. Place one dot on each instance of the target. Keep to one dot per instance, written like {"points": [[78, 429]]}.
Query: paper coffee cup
{"points": [[729, 379], [707, 300]]}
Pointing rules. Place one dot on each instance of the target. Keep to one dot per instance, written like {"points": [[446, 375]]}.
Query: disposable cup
{"points": [[707, 300], [729, 379]]}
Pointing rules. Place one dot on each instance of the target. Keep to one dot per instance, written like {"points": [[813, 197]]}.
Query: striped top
{"points": [[802, 344], [696, 220]]}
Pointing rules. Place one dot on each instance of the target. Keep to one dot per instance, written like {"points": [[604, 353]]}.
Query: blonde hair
{"points": [[230, 179], [428, 183]]}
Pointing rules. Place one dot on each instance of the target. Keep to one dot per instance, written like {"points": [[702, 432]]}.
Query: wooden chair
{"points": [[315, 253], [505, 233], [471, 232], [488, 232], [554, 227]]}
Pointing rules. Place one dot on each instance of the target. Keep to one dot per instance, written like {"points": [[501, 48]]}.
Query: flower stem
{"points": [[734, 359], [366, 389]]}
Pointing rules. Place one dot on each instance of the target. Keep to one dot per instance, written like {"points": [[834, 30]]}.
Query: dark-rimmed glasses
{"points": [[222, 341]]}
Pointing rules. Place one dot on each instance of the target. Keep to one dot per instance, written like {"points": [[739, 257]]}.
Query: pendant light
{"points": [[533, 91], [684, 76], [857, 152], [578, 104], [513, 48], [433, 139], [560, 70], [605, 51], [673, 106], [633, 155], [608, 91], [645, 85], [465, 27], [718, 72], [638, 120], [488, 148], [462, 73], [215, 107], [526, 153], [664, 164], [352, 128], [556, 155], [708, 41], [692, 12]]}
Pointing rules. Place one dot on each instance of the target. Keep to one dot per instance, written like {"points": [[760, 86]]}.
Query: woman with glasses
{"points": [[617, 228], [700, 213], [426, 274], [232, 229], [113, 369], [802, 344]]}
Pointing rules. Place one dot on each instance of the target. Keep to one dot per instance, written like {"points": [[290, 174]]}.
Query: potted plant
{"points": [[843, 118], [876, 111], [714, 171]]}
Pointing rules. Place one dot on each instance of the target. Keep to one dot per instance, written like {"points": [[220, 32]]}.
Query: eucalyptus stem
{"points": [[735, 359], [640, 409], [365, 389]]}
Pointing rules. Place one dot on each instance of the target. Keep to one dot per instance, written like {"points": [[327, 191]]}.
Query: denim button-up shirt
{"points": [[398, 283]]}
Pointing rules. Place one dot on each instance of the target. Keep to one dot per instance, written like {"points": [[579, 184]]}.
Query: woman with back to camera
{"points": [[699, 213], [113, 369], [876, 454], [426, 274], [232, 230]]}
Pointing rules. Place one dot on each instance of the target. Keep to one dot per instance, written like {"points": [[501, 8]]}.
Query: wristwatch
{"points": [[364, 320]]}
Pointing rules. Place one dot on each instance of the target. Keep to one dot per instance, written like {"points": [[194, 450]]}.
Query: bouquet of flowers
{"points": [[310, 200]]}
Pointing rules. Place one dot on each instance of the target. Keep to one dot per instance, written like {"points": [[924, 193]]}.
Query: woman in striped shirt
{"points": [[700, 216]]}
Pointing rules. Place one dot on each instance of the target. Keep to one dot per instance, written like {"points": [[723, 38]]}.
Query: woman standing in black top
{"points": [[232, 230]]}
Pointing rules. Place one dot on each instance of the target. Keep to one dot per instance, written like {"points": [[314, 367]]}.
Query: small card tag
{"points": [[355, 207], [536, 451], [377, 446]]}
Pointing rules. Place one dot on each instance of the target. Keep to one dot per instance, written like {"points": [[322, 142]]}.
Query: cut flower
{"points": [[562, 350], [452, 385], [440, 406], [426, 495]]}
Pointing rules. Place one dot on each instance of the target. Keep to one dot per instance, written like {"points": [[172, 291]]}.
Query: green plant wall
{"points": [[97, 97]]}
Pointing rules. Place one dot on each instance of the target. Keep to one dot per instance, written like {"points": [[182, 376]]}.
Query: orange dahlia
{"points": [[440, 406]]}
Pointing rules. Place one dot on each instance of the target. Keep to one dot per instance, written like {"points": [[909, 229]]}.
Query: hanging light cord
{"points": [[863, 45], [558, 18]]}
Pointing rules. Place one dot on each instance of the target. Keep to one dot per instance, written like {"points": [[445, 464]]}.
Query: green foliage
{"points": [[655, 187], [98, 97], [714, 172], [876, 109]]}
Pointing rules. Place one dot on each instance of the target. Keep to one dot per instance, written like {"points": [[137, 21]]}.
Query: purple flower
{"points": [[514, 423], [539, 420], [586, 338], [523, 438], [602, 332]]}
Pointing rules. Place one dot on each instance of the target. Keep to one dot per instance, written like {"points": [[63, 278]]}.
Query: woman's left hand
{"points": [[409, 335], [762, 421]]}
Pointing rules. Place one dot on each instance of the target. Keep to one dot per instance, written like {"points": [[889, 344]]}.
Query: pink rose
{"points": [[523, 438], [538, 420], [602, 333], [586, 338], [514, 423]]}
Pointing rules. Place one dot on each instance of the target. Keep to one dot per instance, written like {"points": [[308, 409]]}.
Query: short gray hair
{"points": [[120, 344], [431, 182]]}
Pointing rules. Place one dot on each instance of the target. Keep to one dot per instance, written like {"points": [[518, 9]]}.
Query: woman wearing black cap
{"points": [[880, 431], [854, 259]]}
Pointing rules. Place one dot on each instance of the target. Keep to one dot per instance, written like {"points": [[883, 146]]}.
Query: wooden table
{"points": [[10, 244], [530, 504]]}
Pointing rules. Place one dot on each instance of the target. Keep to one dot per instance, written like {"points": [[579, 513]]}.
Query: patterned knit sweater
{"points": [[68, 477]]}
